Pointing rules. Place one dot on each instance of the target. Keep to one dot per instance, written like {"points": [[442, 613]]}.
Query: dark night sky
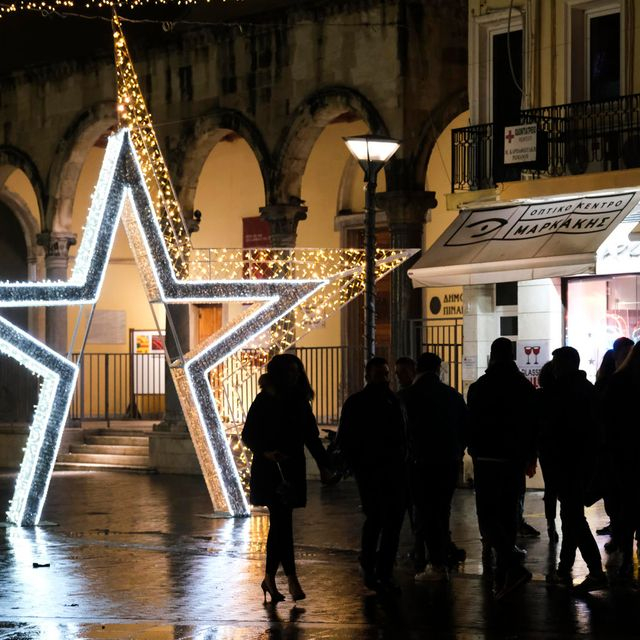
{"points": [[28, 38]]}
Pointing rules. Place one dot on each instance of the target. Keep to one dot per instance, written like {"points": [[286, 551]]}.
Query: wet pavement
{"points": [[138, 556]]}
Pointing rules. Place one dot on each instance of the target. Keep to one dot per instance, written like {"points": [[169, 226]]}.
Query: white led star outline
{"points": [[122, 190], [120, 182], [58, 373], [58, 382]]}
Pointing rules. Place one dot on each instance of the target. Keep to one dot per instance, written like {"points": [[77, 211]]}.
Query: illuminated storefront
{"points": [[576, 262]]}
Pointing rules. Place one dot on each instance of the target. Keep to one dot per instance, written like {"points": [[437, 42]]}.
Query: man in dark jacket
{"points": [[502, 445], [371, 437], [437, 435], [569, 428]]}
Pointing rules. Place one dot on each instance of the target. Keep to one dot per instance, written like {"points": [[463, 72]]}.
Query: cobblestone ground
{"points": [[135, 556]]}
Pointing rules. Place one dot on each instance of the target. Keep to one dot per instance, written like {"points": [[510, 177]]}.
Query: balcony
{"points": [[583, 137]]}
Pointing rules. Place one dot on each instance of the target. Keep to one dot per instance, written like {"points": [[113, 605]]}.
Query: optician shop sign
{"points": [[593, 214]]}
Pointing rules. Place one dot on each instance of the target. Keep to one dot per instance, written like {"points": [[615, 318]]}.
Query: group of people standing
{"points": [[405, 451]]}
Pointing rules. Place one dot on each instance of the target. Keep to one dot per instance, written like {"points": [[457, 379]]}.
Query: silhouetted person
{"points": [[546, 379], [437, 435], [502, 445], [405, 369], [611, 361], [570, 425], [623, 438], [371, 437], [280, 423]]}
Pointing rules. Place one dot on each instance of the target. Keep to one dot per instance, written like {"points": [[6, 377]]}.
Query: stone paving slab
{"points": [[140, 557]]}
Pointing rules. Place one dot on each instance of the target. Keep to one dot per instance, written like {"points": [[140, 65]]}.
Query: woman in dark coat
{"points": [[280, 423]]}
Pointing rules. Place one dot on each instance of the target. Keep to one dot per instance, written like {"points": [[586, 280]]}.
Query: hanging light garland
{"points": [[133, 114], [56, 5]]}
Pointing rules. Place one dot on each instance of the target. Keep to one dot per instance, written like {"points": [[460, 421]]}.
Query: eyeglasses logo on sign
{"points": [[523, 222]]}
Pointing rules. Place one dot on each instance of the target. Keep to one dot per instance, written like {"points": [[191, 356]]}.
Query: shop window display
{"points": [[599, 310]]}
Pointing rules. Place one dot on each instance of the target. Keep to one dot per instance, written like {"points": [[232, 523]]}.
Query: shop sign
{"points": [[520, 143], [594, 214], [530, 356], [618, 254], [445, 302], [255, 233], [148, 364]]}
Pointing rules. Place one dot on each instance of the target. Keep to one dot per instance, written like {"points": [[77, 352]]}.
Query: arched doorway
{"points": [[18, 387]]}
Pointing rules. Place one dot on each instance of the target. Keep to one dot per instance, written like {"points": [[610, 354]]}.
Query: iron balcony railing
{"points": [[582, 137]]}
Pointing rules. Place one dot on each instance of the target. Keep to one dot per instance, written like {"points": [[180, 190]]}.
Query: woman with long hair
{"points": [[280, 423]]}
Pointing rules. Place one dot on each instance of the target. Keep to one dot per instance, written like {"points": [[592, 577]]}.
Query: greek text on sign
{"points": [[523, 222], [520, 143]]}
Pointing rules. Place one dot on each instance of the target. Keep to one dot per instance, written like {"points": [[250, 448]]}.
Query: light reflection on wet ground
{"points": [[141, 557]]}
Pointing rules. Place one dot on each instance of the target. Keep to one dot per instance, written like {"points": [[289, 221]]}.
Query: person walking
{"points": [[437, 436], [371, 437], [502, 446], [611, 361], [546, 379], [623, 439], [279, 424], [405, 370], [570, 428]]}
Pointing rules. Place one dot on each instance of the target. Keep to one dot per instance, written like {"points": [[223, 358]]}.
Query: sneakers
{"points": [[593, 582], [515, 577], [525, 530], [559, 579], [519, 554], [455, 555], [433, 574]]}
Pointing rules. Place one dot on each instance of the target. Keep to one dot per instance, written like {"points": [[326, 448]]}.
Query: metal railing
{"points": [[120, 386], [472, 158], [581, 137], [589, 136], [443, 337]]}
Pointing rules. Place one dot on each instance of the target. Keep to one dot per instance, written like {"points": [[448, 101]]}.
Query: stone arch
{"points": [[12, 158], [69, 159], [200, 140], [307, 122], [28, 224], [436, 123]]}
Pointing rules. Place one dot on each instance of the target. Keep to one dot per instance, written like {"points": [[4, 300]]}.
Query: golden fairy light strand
{"points": [[54, 5], [234, 381], [133, 113]]}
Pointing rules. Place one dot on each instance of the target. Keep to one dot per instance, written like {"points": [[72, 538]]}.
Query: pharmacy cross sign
{"points": [[121, 191]]}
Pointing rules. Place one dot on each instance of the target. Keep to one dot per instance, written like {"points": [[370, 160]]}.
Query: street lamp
{"points": [[372, 152]]}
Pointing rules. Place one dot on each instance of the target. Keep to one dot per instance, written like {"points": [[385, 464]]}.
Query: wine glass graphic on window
{"points": [[536, 351], [527, 351]]}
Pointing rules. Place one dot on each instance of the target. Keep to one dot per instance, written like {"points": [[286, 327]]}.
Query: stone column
{"points": [[56, 245], [406, 215], [283, 222]]}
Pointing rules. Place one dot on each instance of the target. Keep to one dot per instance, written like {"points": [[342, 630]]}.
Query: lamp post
{"points": [[372, 153]]}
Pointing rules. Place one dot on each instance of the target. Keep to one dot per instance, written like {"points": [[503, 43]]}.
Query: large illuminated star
{"points": [[58, 374]]}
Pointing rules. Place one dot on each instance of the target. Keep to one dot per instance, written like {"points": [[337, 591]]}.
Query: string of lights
{"points": [[133, 114], [64, 10]]}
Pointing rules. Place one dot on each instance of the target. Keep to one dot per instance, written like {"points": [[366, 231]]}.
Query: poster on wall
{"points": [[531, 355], [147, 349]]}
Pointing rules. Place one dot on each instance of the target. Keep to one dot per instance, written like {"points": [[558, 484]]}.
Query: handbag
{"points": [[285, 490]]}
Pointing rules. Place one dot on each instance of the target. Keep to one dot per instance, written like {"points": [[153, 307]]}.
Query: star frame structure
{"points": [[121, 188], [123, 192], [58, 382]]}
